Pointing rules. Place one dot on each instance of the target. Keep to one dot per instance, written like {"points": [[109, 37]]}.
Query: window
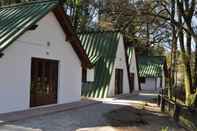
{"points": [[84, 75], [87, 75], [142, 80]]}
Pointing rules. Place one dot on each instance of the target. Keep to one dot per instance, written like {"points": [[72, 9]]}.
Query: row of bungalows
{"points": [[44, 62]]}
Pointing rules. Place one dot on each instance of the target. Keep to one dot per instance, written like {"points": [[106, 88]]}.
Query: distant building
{"points": [[152, 70]]}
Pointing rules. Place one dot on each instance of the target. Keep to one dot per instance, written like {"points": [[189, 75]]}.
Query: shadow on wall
{"points": [[106, 49]]}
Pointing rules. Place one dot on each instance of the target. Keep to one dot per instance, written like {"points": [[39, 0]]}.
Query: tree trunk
{"points": [[173, 51], [184, 56], [195, 68]]}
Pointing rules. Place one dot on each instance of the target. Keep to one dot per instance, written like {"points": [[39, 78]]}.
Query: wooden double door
{"points": [[118, 81], [44, 82]]}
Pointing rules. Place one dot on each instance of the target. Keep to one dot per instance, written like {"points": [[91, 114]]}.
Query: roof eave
{"points": [[72, 36]]}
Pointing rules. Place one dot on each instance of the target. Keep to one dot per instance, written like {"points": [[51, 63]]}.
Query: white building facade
{"points": [[47, 43]]}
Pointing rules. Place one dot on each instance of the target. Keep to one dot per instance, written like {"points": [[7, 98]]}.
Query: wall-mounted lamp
{"points": [[1, 55], [48, 43], [47, 53], [33, 27]]}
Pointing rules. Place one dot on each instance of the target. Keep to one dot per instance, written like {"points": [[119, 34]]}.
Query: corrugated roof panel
{"points": [[130, 53], [15, 20], [150, 66]]}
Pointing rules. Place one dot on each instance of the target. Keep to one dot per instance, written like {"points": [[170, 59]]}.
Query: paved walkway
{"points": [[126, 113]]}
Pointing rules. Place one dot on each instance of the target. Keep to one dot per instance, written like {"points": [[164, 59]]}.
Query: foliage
{"points": [[82, 14], [8, 2], [144, 32], [165, 129]]}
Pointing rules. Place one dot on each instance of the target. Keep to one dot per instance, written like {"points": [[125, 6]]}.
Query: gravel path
{"points": [[107, 116], [65, 121]]}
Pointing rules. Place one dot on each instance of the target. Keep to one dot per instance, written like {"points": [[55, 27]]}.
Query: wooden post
{"points": [[159, 100], [162, 101], [162, 104], [176, 113]]}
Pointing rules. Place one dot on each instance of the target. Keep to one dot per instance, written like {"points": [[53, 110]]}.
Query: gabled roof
{"points": [[17, 19], [150, 66], [102, 46]]}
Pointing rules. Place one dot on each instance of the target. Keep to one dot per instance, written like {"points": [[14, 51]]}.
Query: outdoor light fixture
{"points": [[48, 43], [47, 53], [1, 55]]}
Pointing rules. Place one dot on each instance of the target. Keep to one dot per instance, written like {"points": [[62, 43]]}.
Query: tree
{"points": [[146, 33], [9, 2], [183, 26], [82, 13], [173, 50]]}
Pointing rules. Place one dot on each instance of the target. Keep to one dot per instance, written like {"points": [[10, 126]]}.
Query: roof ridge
{"points": [[28, 3], [99, 31], [151, 55]]}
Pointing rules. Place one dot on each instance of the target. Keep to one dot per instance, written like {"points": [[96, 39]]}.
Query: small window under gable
{"points": [[87, 75], [90, 75], [142, 80], [84, 75]]}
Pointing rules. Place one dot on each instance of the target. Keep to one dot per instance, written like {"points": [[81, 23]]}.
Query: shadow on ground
{"points": [[128, 113], [136, 113]]}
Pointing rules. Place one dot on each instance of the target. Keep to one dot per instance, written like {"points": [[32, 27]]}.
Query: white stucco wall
{"points": [[120, 63], [133, 69], [163, 79], [150, 84], [90, 75], [15, 66]]}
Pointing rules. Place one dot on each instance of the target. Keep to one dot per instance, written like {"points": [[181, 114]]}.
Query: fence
{"points": [[181, 113]]}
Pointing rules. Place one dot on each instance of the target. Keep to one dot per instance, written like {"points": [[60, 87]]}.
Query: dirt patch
{"points": [[126, 116]]}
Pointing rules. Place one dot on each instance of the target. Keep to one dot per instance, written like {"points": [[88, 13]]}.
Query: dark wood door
{"points": [[44, 82], [118, 81], [131, 80]]}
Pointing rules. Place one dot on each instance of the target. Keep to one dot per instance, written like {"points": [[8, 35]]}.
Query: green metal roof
{"points": [[130, 54], [150, 66], [16, 19], [101, 48]]}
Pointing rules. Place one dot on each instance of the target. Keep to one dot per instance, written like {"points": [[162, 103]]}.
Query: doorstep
{"points": [[45, 110]]}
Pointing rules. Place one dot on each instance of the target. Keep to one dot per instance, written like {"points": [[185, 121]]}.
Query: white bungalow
{"points": [[152, 70], [41, 57]]}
